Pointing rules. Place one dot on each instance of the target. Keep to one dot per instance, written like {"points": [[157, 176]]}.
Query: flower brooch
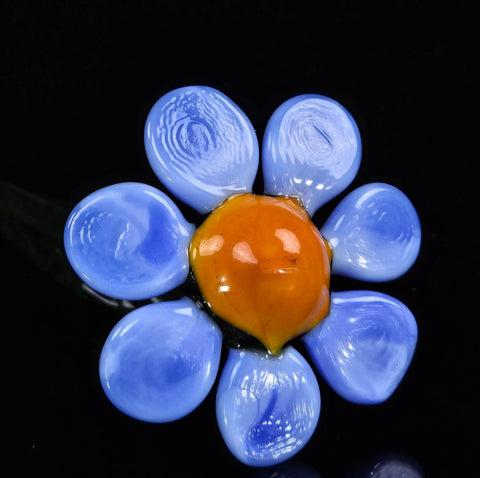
{"points": [[260, 264]]}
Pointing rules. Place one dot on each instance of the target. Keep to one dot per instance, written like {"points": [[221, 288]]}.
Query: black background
{"points": [[77, 82]]}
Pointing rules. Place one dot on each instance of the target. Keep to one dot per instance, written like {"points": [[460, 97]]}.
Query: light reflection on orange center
{"points": [[262, 266]]}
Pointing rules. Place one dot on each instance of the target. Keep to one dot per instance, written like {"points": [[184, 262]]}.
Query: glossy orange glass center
{"points": [[262, 266]]}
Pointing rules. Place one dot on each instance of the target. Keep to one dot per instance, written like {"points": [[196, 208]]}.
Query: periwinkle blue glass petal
{"points": [[201, 146], [364, 346], [160, 361], [128, 241], [311, 150], [374, 232], [267, 406]]}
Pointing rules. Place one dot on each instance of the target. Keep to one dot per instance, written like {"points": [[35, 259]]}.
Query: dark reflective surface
{"points": [[77, 82], [387, 465], [287, 470]]}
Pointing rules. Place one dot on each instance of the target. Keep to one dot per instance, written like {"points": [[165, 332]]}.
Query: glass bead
{"points": [[262, 266]]}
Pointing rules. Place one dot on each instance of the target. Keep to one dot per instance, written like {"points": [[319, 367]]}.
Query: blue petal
{"points": [[311, 150], [364, 346], [375, 234], [201, 146], [160, 361], [267, 406], [128, 241]]}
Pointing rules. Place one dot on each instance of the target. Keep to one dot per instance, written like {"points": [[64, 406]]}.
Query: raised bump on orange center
{"points": [[263, 266]]}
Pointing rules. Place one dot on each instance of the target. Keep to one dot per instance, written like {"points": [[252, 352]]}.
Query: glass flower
{"points": [[260, 264]]}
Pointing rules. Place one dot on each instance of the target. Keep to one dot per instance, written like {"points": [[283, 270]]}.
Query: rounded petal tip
{"points": [[364, 346], [267, 406], [311, 150], [128, 241], [201, 146], [160, 361], [374, 232]]}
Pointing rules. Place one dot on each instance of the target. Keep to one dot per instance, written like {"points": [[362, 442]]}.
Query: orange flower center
{"points": [[263, 266]]}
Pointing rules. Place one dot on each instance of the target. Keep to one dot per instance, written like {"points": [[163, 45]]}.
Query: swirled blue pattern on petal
{"points": [[160, 361], [128, 241], [311, 150], [201, 146], [267, 406], [364, 346], [374, 232]]}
